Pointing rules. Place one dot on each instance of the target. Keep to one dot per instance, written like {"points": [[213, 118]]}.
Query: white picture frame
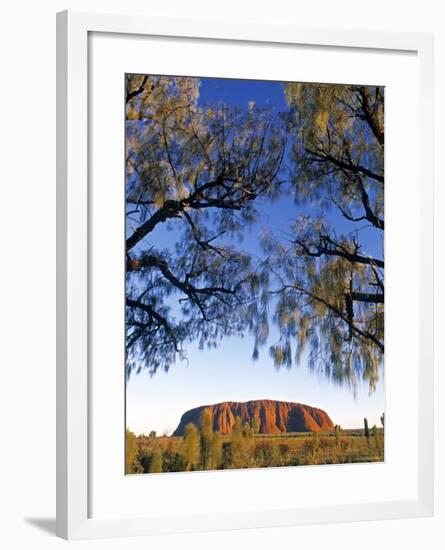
{"points": [[74, 438]]}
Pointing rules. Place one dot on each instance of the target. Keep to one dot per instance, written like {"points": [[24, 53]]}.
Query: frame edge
{"points": [[61, 274], [71, 494]]}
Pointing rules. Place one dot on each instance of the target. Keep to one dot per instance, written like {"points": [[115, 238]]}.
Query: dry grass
{"points": [[292, 449]]}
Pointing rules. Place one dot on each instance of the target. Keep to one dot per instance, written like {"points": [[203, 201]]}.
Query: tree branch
{"points": [[337, 250], [368, 115], [371, 298], [130, 95], [348, 166], [370, 216], [197, 200], [340, 314], [156, 316]]}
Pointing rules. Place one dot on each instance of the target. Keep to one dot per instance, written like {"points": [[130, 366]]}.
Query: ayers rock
{"points": [[273, 417]]}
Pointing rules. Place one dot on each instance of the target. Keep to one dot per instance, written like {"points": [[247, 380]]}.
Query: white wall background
{"points": [[27, 273]]}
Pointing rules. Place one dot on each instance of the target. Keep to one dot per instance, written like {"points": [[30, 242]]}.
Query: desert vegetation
{"points": [[203, 449]]}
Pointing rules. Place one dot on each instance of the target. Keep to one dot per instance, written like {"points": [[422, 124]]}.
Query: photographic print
{"points": [[254, 274]]}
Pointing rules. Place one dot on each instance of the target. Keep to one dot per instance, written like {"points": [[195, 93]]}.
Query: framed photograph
{"points": [[231, 351]]}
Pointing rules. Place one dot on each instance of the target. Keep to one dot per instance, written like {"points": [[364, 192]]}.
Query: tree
{"points": [[191, 446], [237, 444], [216, 451], [337, 432], [329, 286], [249, 444], [131, 452], [255, 424], [242, 444], [375, 435], [156, 461], [199, 171], [206, 439], [247, 431], [365, 422]]}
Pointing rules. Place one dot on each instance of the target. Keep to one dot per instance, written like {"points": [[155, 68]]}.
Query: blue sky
{"points": [[228, 373]]}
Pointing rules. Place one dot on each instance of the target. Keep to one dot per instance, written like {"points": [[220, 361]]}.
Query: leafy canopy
{"points": [[198, 170], [201, 171], [330, 288]]}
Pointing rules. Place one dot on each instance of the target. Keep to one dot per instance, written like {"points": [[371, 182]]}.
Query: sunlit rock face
{"points": [[271, 417]]}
